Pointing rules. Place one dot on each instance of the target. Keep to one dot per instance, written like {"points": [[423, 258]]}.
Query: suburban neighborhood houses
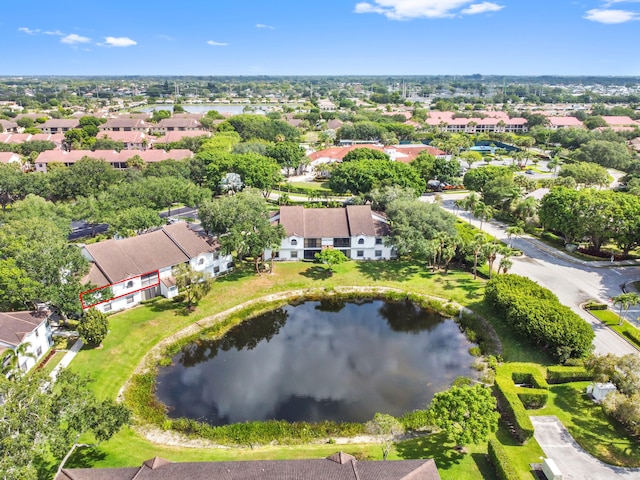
{"points": [[158, 235]]}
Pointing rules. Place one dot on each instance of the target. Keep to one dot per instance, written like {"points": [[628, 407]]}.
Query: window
{"points": [[201, 261], [378, 253], [312, 242], [130, 299], [360, 253], [294, 242], [361, 241], [378, 241], [216, 270], [341, 242], [37, 332], [39, 352], [107, 307], [229, 265], [294, 254], [130, 284], [149, 279]]}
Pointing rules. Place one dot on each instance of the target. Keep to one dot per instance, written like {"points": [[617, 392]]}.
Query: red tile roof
{"points": [[406, 152]]}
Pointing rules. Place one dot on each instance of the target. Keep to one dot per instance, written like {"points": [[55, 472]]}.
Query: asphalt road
{"points": [[573, 281]]}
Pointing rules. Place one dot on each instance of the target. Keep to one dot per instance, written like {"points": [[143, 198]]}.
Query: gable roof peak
{"points": [[341, 458]]}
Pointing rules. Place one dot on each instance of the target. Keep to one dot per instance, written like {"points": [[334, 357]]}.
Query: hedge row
{"points": [[500, 460], [513, 409], [634, 335], [537, 315], [562, 374]]}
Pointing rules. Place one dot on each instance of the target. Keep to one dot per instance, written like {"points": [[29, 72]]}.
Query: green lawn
{"points": [[592, 429], [612, 320], [133, 333]]}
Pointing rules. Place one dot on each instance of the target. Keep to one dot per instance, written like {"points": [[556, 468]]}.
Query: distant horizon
{"points": [[328, 38]]}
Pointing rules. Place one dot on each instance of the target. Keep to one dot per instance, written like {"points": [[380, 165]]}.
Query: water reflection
{"points": [[320, 360]]}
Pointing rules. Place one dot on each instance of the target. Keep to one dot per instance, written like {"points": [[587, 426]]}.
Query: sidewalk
{"points": [[66, 360]]}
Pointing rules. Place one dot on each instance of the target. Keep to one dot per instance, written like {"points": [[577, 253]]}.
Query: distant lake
{"points": [[318, 360], [235, 109]]}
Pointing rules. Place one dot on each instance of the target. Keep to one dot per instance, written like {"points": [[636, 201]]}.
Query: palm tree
{"points": [[484, 212], [625, 300], [526, 208], [553, 164], [491, 250], [505, 264], [476, 247], [514, 231], [11, 361]]}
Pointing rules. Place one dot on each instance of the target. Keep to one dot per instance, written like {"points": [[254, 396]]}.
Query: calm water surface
{"points": [[319, 360]]}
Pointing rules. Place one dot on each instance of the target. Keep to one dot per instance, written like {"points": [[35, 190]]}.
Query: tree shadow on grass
{"points": [[317, 272], [398, 271], [239, 272], [85, 457], [486, 469], [436, 446]]}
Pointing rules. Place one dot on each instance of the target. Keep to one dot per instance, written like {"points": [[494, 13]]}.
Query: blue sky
{"points": [[320, 37]]}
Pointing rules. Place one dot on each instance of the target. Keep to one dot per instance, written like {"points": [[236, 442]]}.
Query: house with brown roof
{"points": [[340, 466], [176, 136], [124, 124], [176, 124], [9, 126], [139, 268], [355, 230], [117, 160], [56, 125], [10, 157], [26, 327]]}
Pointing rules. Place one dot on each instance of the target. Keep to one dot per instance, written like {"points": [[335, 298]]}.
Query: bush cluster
{"points": [[634, 335], [536, 313], [500, 460], [564, 374]]}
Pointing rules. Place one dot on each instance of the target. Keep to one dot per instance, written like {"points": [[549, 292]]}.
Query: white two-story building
{"points": [[125, 272], [30, 328], [355, 230]]}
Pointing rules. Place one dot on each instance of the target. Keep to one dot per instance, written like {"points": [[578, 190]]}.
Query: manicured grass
{"points": [[134, 332], [597, 433], [319, 186], [129, 449], [53, 362], [612, 320]]}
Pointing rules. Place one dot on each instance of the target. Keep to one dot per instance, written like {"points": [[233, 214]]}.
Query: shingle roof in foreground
{"points": [[339, 466]]}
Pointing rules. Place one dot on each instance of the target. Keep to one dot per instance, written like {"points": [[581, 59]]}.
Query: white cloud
{"points": [[483, 7], [165, 37], [407, 9], [28, 31], [217, 44], [610, 16], [54, 32], [262, 25], [118, 42], [72, 39]]}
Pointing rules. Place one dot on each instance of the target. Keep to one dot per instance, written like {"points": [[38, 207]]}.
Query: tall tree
{"points": [[43, 421], [467, 414], [386, 428]]}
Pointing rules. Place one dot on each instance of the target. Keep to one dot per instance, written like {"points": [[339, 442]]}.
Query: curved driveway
{"points": [[572, 280]]}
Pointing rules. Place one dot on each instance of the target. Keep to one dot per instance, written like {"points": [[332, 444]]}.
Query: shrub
{"points": [[634, 335], [563, 374], [513, 410], [537, 315], [499, 459], [595, 306], [93, 327]]}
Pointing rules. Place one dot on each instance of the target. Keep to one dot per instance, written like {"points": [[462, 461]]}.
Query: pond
{"points": [[318, 360]]}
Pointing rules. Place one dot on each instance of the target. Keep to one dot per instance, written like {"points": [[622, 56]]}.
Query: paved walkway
{"points": [[66, 360], [574, 463]]}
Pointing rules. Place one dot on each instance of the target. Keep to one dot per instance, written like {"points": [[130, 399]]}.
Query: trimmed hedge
{"points": [[595, 306], [562, 374], [513, 409], [500, 460], [634, 335], [538, 316]]}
